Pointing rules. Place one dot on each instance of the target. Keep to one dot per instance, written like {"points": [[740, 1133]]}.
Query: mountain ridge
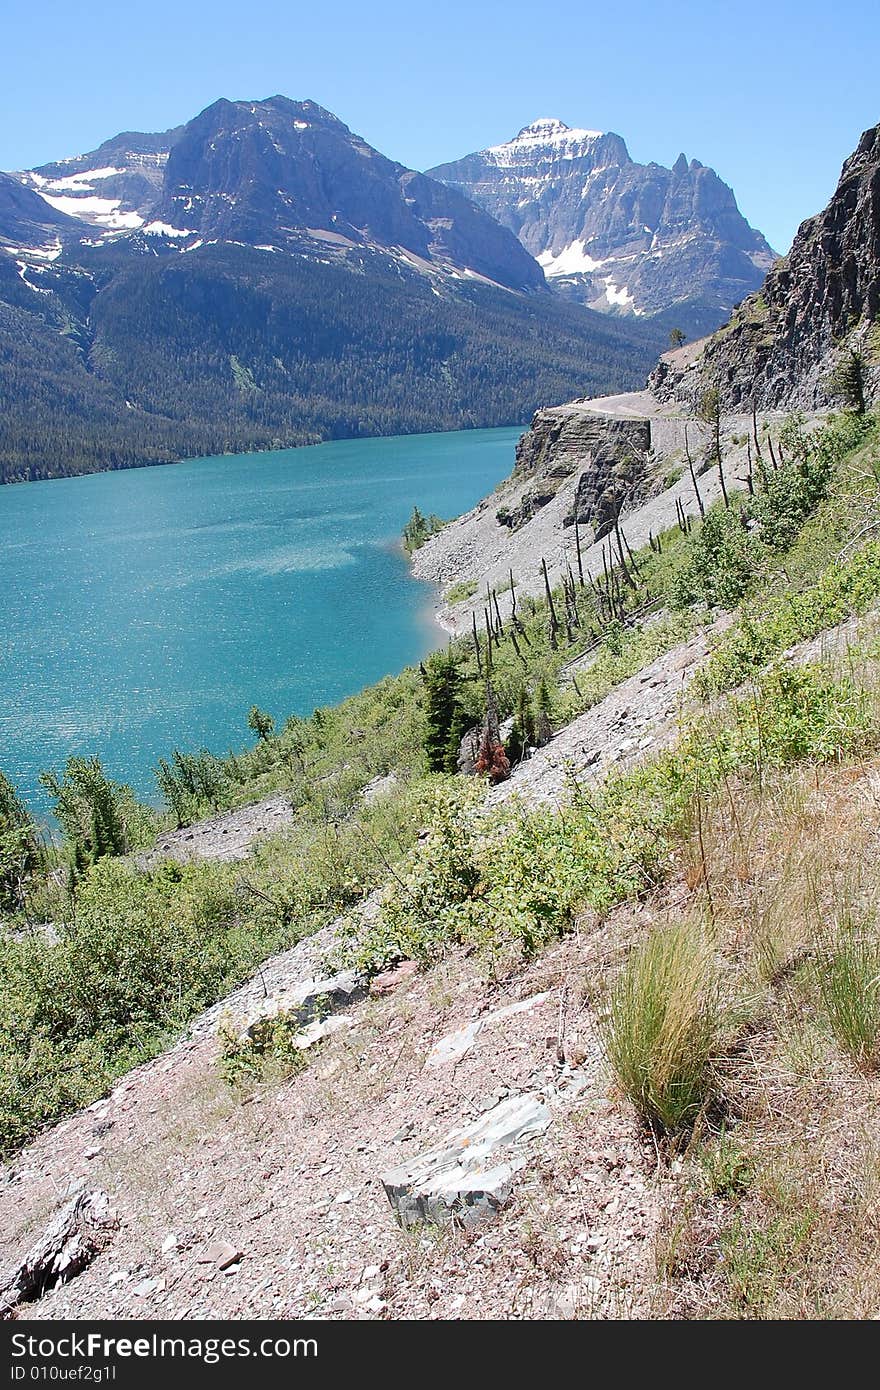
{"points": [[262, 277]]}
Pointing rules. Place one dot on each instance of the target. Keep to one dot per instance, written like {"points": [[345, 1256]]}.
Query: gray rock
{"points": [[78, 1233], [469, 1176], [467, 753], [619, 236], [782, 343], [456, 1045]]}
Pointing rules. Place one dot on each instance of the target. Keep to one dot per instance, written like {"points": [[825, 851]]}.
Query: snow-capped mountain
{"points": [[279, 175], [621, 237]]}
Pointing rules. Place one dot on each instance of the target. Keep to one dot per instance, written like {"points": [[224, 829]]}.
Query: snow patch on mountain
{"points": [[104, 211], [163, 229], [619, 296], [573, 259], [50, 252], [82, 182], [547, 134]]}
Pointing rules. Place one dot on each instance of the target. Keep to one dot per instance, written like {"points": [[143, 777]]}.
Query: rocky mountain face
{"points": [[114, 186], [618, 236], [263, 277], [268, 172], [781, 345], [609, 454]]}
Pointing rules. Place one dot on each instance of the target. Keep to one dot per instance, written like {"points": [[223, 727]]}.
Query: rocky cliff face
{"points": [[620, 236], [781, 343], [611, 455]]}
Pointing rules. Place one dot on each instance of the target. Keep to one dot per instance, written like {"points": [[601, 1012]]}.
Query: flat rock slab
{"points": [[469, 1176], [457, 1045], [225, 837], [77, 1233]]}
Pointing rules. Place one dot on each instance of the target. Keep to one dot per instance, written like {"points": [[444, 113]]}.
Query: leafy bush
{"points": [[843, 590], [663, 1026], [520, 878], [267, 1052], [21, 852], [99, 817], [724, 564]]}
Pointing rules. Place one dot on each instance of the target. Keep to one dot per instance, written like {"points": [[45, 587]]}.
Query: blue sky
{"points": [[774, 96]]}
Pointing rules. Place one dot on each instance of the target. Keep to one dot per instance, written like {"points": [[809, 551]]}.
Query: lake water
{"points": [[149, 609]]}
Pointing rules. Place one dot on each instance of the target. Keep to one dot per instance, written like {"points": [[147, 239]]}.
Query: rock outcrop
{"points": [[611, 455], [781, 344], [619, 236], [74, 1237]]}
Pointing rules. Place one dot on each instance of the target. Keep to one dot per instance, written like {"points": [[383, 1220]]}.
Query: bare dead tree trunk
{"points": [[554, 623], [755, 432], [477, 643], [624, 568], [687, 450]]}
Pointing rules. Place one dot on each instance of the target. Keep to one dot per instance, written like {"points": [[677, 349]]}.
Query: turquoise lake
{"points": [[149, 609]]}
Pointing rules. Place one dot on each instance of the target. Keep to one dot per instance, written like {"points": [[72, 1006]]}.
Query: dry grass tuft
{"points": [[664, 1024]]}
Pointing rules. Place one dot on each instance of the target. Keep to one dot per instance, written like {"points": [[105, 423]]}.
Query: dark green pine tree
{"points": [[522, 735], [543, 713], [444, 716], [847, 381]]}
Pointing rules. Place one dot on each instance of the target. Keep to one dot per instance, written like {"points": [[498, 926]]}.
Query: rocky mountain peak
{"points": [[278, 172], [550, 130]]}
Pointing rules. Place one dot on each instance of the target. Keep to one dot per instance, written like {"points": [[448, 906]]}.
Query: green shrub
{"points": [[269, 1052], [22, 855], [842, 590], [520, 878], [418, 529], [99, 817], [787, 495], [724, 564], [461, 591]]}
